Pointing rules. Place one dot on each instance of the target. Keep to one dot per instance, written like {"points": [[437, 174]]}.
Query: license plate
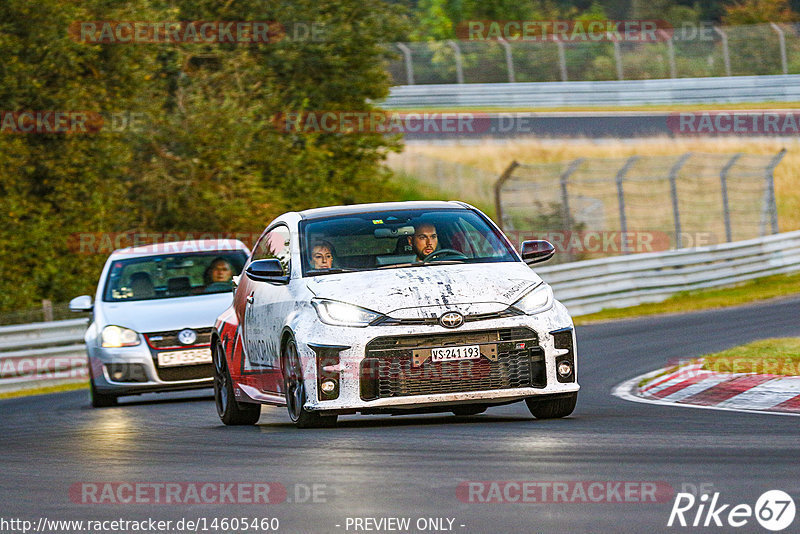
{"points": [[469, 352], [184, 357]]}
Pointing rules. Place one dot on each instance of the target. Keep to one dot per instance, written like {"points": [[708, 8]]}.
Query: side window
{"points": [[275, 244]]}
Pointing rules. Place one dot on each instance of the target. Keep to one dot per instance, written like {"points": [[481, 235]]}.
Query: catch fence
{"points": [[686, 52], [605, 206]]}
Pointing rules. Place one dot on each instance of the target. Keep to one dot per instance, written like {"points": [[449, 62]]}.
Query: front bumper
{"points": [[504, 380], [132, 370]]}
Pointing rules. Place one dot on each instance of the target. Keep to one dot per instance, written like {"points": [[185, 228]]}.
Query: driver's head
{"points": [[322, 255], [424, 241]]}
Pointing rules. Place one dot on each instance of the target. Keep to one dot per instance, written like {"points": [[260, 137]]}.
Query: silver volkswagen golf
{"points": [[152, 316]]}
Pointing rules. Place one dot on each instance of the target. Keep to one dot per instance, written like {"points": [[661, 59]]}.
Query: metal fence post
{"points": [[618, 60], [770, 205], [782, 40], [459, 66], [673, 68], [498, 186], [673, 186], [564, 182], [47, 310], [408, 61], [562, 61], [726, 56], [726, 211], [509, 59], [623, 223]]}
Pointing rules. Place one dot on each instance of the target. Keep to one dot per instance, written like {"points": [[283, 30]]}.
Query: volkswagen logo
{"points": [[187, 336], [451, 320]]}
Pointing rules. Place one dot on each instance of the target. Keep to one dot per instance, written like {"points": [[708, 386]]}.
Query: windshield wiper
{"points": [[421, 264], [332, 270]]}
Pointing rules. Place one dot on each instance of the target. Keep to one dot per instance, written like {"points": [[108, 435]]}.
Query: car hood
{"points": [[385, 291], [199, 311]]}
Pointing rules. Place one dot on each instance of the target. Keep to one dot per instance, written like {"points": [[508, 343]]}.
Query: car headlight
{"points": [[340, 314], [117, 336], [537, 300]]}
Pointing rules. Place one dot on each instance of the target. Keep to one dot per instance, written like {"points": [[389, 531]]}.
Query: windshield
{"points": [[392, 239], [173, 275]]}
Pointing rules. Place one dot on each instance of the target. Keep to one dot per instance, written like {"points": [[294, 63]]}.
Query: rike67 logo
{"points": [[774, 510]]}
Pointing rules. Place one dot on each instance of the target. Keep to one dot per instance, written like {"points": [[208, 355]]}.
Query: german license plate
{"points": [[468, 352], [184, 357]]}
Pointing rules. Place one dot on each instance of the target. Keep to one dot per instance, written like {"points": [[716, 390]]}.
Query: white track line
{"points": [[623, 391]]}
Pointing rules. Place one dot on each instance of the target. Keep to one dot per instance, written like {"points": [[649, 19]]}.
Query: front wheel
{"points": [[230, 411], [294, 386], [552, 407], [101, 400]]}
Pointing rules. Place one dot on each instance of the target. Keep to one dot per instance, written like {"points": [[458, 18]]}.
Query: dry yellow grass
{"points": [[495, 156]]}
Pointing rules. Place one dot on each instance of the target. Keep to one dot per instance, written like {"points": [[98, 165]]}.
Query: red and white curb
{"points": [[691, 386]]}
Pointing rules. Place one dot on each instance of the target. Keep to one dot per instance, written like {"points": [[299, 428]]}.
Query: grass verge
{"points": [[44, 390], [777, 356], [769, 287]]}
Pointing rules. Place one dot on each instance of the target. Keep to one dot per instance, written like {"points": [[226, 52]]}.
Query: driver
{"points": [[424, 241], [322, 255]]}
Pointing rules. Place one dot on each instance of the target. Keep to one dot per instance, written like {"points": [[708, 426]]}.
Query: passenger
{"points": [[322, 255], [424, 241]]}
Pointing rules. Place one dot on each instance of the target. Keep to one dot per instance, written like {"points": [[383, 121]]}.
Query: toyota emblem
{"points": [[187, 336], [451, 320]]}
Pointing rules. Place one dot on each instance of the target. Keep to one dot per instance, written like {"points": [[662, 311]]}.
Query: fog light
{"points": [[564, 369], [328, 386], [117, 375]]}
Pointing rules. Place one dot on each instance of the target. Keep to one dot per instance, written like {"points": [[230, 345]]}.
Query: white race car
{"points": [[392, 308]]}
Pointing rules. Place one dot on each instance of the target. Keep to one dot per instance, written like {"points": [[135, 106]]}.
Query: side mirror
{"points": [[267, 271], [537, 251], [81, 304]]}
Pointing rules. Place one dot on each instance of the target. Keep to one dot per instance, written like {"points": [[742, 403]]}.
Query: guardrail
{"points": [[621, 281], [728, 89], [53, 352], [38, 353]]}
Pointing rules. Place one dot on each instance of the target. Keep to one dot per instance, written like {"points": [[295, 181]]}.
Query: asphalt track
{"points": [[572, 124], [382, 466]]}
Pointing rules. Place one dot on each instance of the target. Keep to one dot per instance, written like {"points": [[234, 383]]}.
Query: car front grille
{"points": [[185, 372], [388, 369], [391, 321], [169, 339]]}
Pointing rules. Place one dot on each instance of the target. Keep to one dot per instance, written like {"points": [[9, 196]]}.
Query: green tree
{"points": [[55, 185], [758, 11]]}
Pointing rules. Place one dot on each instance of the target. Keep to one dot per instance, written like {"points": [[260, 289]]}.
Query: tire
{"points": [[552, 408], [100, 400], [469, 409], [230, 411], [294, 386]]}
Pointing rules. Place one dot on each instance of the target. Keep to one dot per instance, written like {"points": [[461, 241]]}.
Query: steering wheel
{"points": [[439, 252]]}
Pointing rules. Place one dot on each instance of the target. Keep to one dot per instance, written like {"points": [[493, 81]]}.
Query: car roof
{"points": [[181, 247], [380, 206]]}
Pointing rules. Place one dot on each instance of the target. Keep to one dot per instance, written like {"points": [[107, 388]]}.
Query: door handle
{"points": [[250, 298]]}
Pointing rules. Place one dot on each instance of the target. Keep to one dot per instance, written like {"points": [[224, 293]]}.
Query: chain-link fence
{"points": [[684, 53], [48, 311], [597, 207]]}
